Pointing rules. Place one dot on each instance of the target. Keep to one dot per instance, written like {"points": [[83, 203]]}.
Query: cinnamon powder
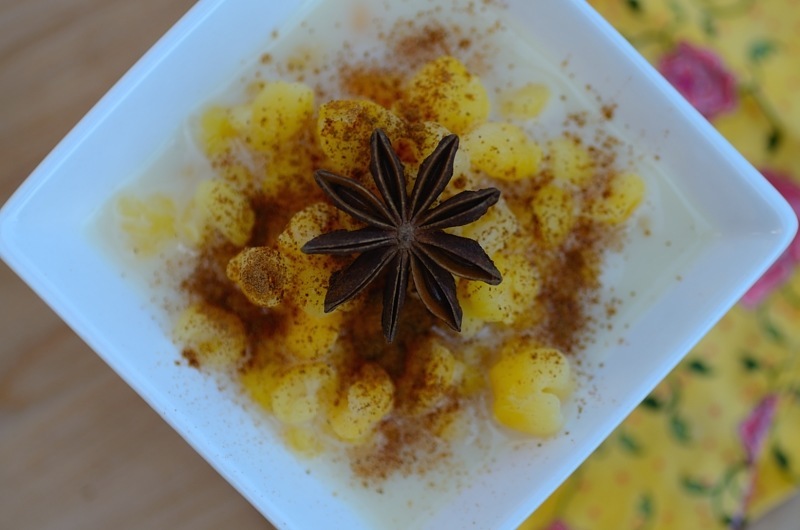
{"points": [[407, 443]]}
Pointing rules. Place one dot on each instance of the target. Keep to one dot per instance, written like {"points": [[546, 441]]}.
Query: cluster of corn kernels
{"points": [[298, 378]]}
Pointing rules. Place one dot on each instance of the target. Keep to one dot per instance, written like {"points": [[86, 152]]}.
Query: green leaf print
{"points": [[772, 332], [629, 443], [652, 403], [750, 363], [695, 486], [774, 140], [761, 49], [709, 25], [646, 506], [678, 13], [780, 458], [634, 5], [699, 367], [679, 429]]}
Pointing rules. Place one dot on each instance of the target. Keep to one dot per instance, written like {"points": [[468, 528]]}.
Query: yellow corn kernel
{"points": [[472, 380], [288, 170], [193, 228], [553, 214], [426, 137], [311, 337], [227, 210], [363, 404], [260, 383], [344, 128], [471, 373], [240, 117], [216, 131], [303, 440], [149, 223], [309, 285], [508, 300], [528, 384], [210, 334], [238, 176], [279, 112], [261, 274], [570, 161], [310, 273], [525, 102], [313, 220], [296, 397], [445, 92], [495, 229], [450, 425], [430, 374], [623, 195], [471, 326], [503, 151]]}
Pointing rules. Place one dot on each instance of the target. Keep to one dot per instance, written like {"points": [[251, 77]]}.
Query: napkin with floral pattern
{"points": [[718, 442]]}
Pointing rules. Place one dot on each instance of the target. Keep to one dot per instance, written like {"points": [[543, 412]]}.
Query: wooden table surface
{"points": [[78, 448]]}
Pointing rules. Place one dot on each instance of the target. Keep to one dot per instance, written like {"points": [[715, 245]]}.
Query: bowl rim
{"points": [[12, 223]]}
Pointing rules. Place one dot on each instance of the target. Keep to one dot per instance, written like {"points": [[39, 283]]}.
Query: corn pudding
{"points": [[254, 303]]}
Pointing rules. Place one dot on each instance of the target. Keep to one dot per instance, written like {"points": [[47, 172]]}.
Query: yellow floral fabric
{"points": [[718, 442]]}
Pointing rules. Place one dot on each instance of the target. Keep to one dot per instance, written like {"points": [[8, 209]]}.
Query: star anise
{"points": [[404, 234]]}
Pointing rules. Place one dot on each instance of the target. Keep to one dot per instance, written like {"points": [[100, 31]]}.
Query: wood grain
{"points": [[78, 448]]}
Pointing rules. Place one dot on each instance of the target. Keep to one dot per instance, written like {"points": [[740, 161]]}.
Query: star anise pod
{"points": [[405, 235]]}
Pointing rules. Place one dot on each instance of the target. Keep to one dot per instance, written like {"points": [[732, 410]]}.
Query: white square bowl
{"points": [[44, 238]]}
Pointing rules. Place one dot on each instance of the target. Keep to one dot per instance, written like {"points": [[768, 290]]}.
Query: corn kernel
{"points": [[279, 112], [528, 383], [553, 214], [310, 273], [525, 102], [227, 210], [363, 405], [624, 194], [193, 228], [495, 229], [311, 337], [571, 162], [344, 128], [296, 396], [216, 131], [310, 222], [445, 92], [149, 223], [451, 425], [309, 286], [240, 117], [288, 171], [430, 375], [471, 326], [426, 137], [260, 383], [213, 335], [238, 176], [508, 300], [261, 274], [503, 151], [302, 440]]}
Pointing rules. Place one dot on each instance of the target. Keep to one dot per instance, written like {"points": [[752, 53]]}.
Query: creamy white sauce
{"points": [[665, 231]]}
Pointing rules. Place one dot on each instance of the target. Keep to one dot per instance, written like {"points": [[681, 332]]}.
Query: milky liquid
{"points": [[665, 232]]}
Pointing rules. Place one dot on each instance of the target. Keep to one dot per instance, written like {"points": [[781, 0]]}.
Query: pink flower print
{"points": [[753, 430], [558, 525], [782, 269], [699, 75]]}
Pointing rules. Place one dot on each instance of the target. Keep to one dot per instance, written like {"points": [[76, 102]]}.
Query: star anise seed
{"points": [[404, 236]]}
